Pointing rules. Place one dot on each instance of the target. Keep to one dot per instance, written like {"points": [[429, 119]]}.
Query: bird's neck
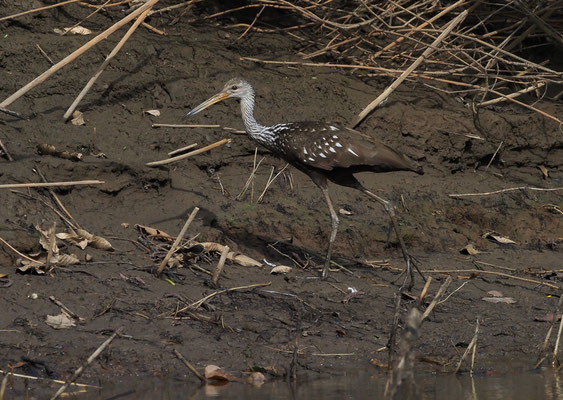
{"points": [[253, 128]]}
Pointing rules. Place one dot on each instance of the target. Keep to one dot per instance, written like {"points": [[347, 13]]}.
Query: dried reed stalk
{"points": [[71, 57], [106, 62], [190, 154]]}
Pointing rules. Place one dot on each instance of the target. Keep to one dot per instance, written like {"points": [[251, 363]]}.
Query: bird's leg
{"points": [[391, 212], [334, 229]]}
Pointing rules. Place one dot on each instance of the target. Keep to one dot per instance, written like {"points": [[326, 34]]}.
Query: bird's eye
{"points": [[234, 87]]}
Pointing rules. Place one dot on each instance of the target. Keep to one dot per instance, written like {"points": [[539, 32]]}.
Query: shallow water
{"points": [[525, 385]]}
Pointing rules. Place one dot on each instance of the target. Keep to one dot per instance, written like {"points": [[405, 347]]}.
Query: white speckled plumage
{"points": [[323, 156]]}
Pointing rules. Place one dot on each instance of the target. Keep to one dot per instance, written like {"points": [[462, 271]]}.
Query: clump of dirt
{"points": [[261, 326]]}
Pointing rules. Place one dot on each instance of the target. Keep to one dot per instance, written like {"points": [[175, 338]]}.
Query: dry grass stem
{"points": [[494, 155], [71, 221], [38, 9], [197, 304], [471, 346], [49, 184], [505, 191], [182, 150], [65, 308], [5, 151], [3, 386], [44, 54], [478, 272], [250, 180], [184, 126], [270, 181], [179, 238], [189, 366], [512, 95], [106, 62], [13, 113], [554, 359], [450, 26], [80, 369], [36, 378], [220, 265], [436, 298], [190, 154], [18, 253]]}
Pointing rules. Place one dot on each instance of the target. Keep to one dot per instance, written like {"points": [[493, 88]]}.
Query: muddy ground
{"points": [[259, 327]]}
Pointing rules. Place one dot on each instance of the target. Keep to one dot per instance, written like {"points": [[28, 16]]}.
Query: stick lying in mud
{"points": [[5, 151], [451, 25], [190, 154], [197, 304], [71, 221], [181, 150], [220, 265], [177, 241], [183, 126], [506, 190], [190, 366], [479, 271], [71, 57], [38, 9], [49, 184], [13, 113], [108, 59], [80, 369]]}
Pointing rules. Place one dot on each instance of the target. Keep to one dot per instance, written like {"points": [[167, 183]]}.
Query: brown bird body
{"points": [[323, 151]]}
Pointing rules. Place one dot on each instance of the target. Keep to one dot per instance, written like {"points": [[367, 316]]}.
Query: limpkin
{"points": [[323, 151]]}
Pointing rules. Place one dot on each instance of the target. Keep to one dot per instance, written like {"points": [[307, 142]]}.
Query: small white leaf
{"points": [[77, 30], [154, 113], [281, 269], [61, 321]]}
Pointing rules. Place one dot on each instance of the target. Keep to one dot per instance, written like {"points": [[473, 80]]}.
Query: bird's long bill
{"points": [[209, 102]]}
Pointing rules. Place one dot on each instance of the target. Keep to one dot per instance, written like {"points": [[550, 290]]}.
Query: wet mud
{"points": [[260, 327]]}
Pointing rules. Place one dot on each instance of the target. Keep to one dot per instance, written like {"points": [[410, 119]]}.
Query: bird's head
{"points": [[235, 88]]}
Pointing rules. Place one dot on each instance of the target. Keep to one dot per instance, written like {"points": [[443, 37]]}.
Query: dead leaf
{"points": [[217, 374], [64, 259], [495, 293], [45, 239], [548, 318], [343, 211], [257, 379], [495, 237], [77, 118], [544, 171], [154, 113], [82, 238], [125, 225], [237, 258], [243, 260], [76, 30], [470, 250], [30, 267], [506, 300], [280, 269], [74, 239], [153, 232], [3, 276], [61, 321]]}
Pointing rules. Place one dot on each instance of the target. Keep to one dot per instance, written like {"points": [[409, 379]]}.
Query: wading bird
{"points": [[323, 151]]}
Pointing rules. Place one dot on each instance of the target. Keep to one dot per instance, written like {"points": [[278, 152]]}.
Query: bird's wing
{"points": [[328, 146]]}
